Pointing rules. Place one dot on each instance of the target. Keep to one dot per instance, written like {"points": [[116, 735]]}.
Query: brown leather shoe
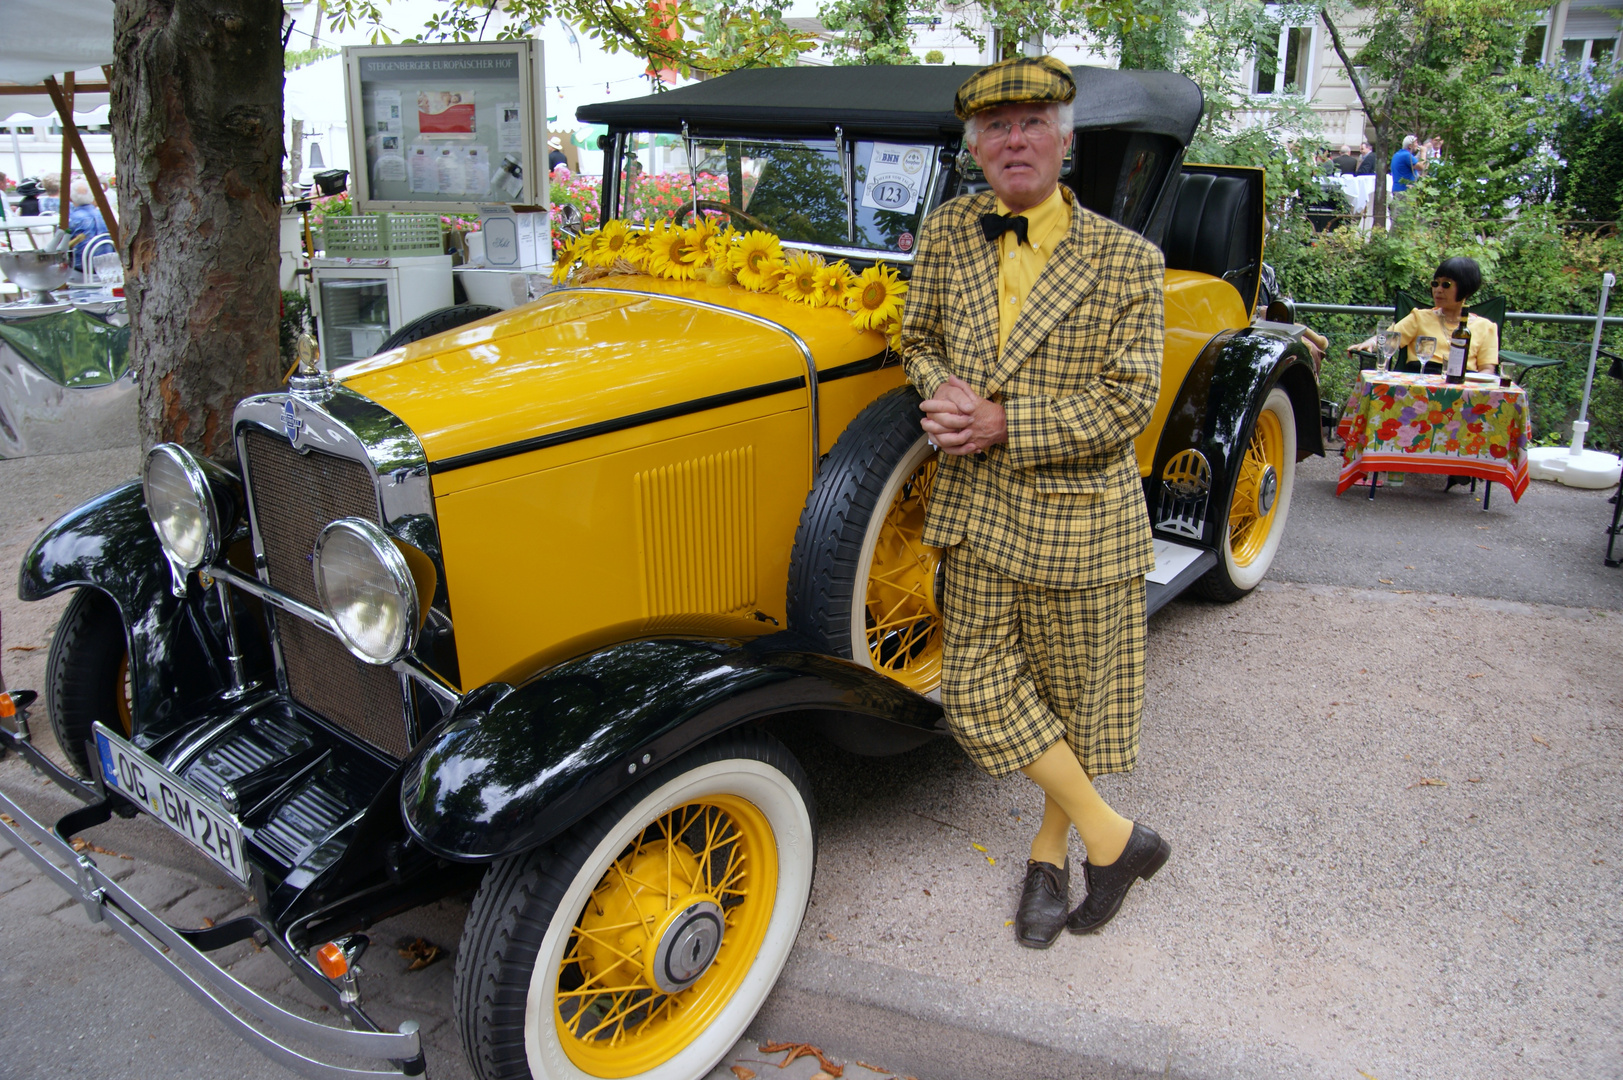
{"points": [[1042, 904], [1145, 853]]}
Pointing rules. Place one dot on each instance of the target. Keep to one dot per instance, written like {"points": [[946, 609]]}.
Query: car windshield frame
{"points": [[846, 163]]}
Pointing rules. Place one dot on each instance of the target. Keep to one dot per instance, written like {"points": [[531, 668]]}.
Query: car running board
{"points": [[1177, 566]]}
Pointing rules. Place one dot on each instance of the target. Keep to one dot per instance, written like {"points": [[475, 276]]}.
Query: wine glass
{"points": [[1424, 347], [1391, 342]]}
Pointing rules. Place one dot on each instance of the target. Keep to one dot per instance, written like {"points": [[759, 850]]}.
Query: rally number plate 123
{"points": [[171, 800]]}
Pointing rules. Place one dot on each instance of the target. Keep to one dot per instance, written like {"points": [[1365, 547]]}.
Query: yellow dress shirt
{"points": [[1425, 322], [1020, 265]]}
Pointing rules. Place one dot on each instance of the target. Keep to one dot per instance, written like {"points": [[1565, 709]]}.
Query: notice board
{"points": [[447, 127]]}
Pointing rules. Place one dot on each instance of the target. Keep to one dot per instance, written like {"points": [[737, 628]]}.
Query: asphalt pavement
{"points": [[1391, 778]]}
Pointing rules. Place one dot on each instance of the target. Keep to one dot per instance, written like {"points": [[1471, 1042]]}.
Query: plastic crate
{"points": [[377, 236]]}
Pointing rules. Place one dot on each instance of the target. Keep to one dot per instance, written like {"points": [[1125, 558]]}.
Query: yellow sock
{"points": [[1053, 840], [1063, 779]]}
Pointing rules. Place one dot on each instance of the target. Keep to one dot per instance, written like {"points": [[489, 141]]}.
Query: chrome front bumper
{"points": [[104, 901]]}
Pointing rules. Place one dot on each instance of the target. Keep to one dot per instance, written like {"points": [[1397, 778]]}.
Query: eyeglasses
{"points": [[1442, 283], [1032, 127]]}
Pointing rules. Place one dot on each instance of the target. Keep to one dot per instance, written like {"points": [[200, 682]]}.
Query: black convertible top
{"points": [[879, 100]]}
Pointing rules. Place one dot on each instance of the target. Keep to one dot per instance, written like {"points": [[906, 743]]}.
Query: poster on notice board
{"points": [[445, 127]]}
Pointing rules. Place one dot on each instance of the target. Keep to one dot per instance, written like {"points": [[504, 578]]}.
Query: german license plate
{"points": [[171, 800]]}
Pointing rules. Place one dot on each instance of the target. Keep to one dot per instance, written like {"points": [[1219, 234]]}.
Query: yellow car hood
{"points": [[580, 356]]}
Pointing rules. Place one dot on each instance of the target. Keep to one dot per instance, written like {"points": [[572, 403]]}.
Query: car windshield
{"points": [[794, 188]]}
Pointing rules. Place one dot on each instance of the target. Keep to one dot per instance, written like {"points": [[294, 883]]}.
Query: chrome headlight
{"points": [[366, 588], [181, 505]]}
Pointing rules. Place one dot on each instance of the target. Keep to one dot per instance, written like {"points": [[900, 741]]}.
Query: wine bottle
{"points": [[1459, 347]]}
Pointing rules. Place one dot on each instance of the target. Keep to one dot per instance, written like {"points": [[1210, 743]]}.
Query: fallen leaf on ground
{"points": [[1473, 779], [798, 1050], [1408, 568], [742, 1073], [81, 844], [1474, 675], [977, 847], [1008, 922], [821, 1075], [926, 893], [207, 922], [1541, 742], [1484, 547], [830, 936], [1385, 581], [9, 820], [871, 1068], [1428, 781], [21, 648], [420, 952]]}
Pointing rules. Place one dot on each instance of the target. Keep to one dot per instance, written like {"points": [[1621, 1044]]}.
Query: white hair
{"points": [[1409, 142], [79, 194], [1061, 112]]}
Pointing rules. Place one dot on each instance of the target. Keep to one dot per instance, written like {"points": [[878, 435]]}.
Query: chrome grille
{"points": [[295, 496]]}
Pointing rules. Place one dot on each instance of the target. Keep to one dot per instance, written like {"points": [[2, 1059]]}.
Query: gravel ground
{"points": [[1394, 813]]}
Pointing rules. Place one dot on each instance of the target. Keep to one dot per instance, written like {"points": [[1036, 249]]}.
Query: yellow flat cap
{"points": [[1008, 82]]}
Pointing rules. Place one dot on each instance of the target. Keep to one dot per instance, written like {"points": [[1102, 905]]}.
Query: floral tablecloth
{"points": [[1402, 422]]}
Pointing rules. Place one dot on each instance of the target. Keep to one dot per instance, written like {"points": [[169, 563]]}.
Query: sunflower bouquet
{"points": [[723, 256]]}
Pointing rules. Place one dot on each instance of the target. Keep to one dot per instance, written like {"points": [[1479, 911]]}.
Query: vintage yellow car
{"points": [[499, 608]]}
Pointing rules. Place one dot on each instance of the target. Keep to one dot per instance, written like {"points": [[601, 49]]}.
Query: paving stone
{"points": [[210, 902], [15, 872], [262, 971], [156, 888], [38, 897]]}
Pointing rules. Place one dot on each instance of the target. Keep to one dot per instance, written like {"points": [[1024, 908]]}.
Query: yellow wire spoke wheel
{"points": [[666, 937], [1255, 493], [901, 620], [1258, 506], [641, 942]]}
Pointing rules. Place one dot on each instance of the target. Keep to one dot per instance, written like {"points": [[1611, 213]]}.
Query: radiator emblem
{"points": [[292, 425]]}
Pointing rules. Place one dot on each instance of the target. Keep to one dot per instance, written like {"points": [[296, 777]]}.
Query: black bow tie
{"points": [[995, 225]]}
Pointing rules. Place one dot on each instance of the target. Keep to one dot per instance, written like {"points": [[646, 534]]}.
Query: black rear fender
{"points": [[1224, 388], [523, 764]]}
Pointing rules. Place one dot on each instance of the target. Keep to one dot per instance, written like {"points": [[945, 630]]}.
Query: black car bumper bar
{"points": [[105, 901]]}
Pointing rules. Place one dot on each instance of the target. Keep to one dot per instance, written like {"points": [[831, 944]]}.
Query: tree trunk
{"points": [[197, 130]]}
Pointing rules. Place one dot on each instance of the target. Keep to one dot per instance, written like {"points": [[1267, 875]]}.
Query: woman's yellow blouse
{"points": [[1424, 322]]}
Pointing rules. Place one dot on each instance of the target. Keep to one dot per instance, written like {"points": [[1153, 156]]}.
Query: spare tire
{"points": [[862, 583], [437, 322]]}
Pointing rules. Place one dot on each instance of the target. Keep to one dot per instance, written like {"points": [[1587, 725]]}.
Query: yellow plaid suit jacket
{"points": [[1060, 504]]}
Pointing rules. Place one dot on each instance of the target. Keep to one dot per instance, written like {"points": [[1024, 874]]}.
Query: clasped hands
{"points": [[960, 421]]}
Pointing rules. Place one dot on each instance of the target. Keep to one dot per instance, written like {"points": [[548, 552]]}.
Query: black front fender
{"points": [[109, 544], [529, 762]]}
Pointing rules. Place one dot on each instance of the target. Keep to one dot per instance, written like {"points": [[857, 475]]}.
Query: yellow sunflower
{"points": [[757, 259], [609, 243], [696, 253], [666, 246], [721, 246], [800, 278], [834, 284], [569, 257], [876, 298], [704, 230]]}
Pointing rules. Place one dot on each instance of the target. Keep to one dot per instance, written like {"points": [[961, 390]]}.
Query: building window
{"points": [[1533, 51], [1589, 52], [1282, 63]]}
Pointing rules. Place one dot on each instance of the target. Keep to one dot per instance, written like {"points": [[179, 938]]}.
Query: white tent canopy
{"points": [[48, 37]]}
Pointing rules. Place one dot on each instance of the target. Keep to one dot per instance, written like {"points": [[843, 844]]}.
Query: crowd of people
{"points": [[1408, 165], [42, 195]]}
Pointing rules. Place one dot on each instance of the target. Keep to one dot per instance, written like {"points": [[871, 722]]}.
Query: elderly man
{"points": [[1033, 329]]}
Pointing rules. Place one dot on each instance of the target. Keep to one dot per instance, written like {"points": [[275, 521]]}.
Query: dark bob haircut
{"points": [[1464, 273]]}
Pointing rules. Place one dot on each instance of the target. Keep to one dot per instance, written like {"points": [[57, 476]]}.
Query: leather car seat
{"points": [[1206, 233]]}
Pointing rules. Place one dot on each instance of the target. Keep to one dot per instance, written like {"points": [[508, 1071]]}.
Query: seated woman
{"points": [[84, 220], [1456, 280]]}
